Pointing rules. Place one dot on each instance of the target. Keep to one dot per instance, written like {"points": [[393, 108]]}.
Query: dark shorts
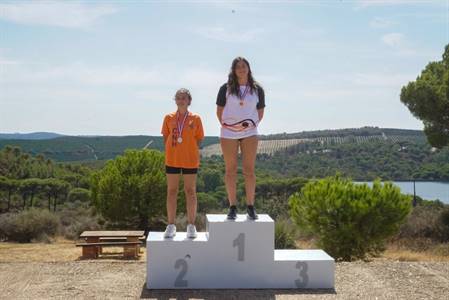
{"points": [[241, 139], [175, 170]]}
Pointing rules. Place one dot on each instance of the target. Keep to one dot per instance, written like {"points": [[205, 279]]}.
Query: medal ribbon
{"points": [[242, 95], [180, 126]]}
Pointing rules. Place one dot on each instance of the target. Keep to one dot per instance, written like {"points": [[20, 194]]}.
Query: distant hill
{"points": [[98, 148], [363, 131], [89, 148], [274, 143], [30, 136]]}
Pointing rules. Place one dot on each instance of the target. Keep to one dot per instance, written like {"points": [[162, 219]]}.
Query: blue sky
{"points": [[112, 67]]}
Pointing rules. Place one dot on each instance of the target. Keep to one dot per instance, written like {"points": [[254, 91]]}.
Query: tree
{"points": [[131, 188], [79, 194], [212, 179], [9, 186], [427, 98], [349, 220], [55, 188]]}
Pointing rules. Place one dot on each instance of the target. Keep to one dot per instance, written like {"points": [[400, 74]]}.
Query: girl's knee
{"points": [[248, 171], [172, 191], [190, 191], [231, 170]]}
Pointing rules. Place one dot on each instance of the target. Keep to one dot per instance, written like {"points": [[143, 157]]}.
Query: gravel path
{"points": [[379, 279]]}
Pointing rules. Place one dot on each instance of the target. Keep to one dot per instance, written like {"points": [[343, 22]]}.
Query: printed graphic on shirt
{"points": [[240, 115]]}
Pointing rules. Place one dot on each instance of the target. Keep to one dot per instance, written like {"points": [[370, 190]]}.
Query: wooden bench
{"points": [[94, 241]]}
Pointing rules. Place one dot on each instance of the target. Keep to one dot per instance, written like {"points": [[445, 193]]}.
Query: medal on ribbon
{"points": [[180, 126], [241, 95]]}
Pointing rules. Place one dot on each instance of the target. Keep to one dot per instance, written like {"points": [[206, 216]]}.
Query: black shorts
{"points": [[175, 170]]}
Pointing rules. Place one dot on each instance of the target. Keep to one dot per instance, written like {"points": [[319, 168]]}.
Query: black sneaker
{"points": [[232, 214], [251, 212]]}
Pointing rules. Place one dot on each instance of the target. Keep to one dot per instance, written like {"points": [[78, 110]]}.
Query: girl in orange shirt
{"points": [[183, 133]]}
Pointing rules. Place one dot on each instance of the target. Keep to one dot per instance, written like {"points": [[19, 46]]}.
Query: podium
{"points": [[234, 254]]}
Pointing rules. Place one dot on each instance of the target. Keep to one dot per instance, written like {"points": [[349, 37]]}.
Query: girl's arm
{"points": [[219, 112], [260, 112]]}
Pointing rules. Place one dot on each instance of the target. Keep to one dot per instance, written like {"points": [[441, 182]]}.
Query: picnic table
{"points": [[94, 241]]}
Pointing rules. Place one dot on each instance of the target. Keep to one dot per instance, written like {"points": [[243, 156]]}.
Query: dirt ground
{"points": [[42, 271]]}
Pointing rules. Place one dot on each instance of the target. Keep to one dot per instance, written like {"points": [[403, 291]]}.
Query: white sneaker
{"points": [[170, 231], [191, 231]]}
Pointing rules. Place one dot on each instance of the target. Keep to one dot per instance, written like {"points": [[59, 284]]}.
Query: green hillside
{"points": [[76, 148]]}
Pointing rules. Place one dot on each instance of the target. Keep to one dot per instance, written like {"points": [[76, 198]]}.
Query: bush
{"points": [[131, 189], [76, 219], [28, 225], [206, 203], [284, 235], [349, 220], [79, 194], [427, 221]]}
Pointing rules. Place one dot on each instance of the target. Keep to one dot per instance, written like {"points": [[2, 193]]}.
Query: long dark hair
{"points": [[233, 83]]}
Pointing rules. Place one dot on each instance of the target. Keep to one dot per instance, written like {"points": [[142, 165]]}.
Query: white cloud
{"points": [[378, 22], [80, 73], [398, 43], [394, 40], [201, 77], [381, 2], [6, 61], [382, 80], [71, 14], [370, 3], [227, 35]]}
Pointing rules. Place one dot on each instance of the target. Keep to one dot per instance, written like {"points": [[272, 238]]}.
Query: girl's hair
{"points": [[233, 84], [184, 91]]}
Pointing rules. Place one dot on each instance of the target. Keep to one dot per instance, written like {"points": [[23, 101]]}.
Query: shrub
{"points": [[131, 189], [349, 220], [79, 194], [28, 225], [284, 235], [427, 221], [76, 219]]}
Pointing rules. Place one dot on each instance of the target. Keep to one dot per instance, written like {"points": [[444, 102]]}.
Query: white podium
{"points": [[234, 254]]}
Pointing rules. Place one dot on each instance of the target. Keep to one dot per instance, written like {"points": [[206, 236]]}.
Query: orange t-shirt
{"points": [[185, 154]]}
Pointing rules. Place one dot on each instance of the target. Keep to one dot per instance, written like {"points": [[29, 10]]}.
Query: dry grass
{"points": [[401, 251], [61, 250], [438, 252]]}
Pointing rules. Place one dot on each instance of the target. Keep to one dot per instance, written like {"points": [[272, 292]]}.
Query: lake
{"points": [[429, 190]]}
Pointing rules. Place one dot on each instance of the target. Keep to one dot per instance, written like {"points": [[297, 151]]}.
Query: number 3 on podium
{"points": [[303, 279]]}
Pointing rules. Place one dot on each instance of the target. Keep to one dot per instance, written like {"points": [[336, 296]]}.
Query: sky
{"points": [[113, 67]]}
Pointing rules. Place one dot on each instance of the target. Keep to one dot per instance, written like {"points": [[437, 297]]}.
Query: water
{"points": [[429, 190]]}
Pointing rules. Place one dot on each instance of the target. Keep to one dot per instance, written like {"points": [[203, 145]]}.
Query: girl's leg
{"points": [[172, 195], [248, 147], [230, 148], [190, 192]]}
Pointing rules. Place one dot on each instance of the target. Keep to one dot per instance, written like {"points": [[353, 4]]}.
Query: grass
{"points": [[423, 250], [63, 250]]}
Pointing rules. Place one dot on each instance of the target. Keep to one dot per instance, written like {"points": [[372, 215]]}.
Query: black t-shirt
{"points": [[221, 97]]}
